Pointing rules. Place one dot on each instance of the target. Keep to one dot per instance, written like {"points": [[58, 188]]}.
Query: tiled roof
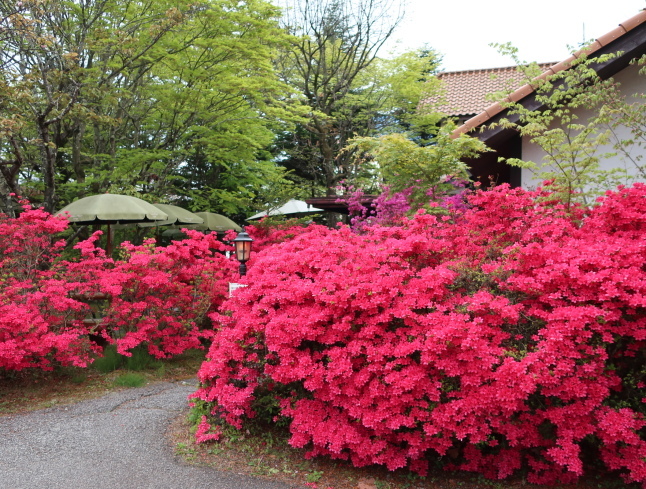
{"points": [[465, 92], [494, 109]]}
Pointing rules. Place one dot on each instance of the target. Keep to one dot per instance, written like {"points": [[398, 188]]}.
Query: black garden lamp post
{"points": [[242, 243]]}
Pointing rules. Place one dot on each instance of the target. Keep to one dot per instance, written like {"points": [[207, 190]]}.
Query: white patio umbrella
{"points": [[292, 207]]}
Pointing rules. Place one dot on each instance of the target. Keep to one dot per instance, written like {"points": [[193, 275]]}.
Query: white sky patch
{"points": [[462, 30]]}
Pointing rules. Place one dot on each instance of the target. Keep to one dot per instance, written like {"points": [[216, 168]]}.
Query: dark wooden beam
{"points": [[338, 204]]}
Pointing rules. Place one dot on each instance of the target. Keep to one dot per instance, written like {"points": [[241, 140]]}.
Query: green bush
{"points": [[110, 361], [139, 361], [130, 379]]}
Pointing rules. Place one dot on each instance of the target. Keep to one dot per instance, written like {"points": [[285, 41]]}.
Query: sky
{"points": [[461, 30]]}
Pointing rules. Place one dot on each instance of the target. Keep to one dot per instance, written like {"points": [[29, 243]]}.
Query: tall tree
{"points": [[57, 59], [102, 95], [334, 44]]}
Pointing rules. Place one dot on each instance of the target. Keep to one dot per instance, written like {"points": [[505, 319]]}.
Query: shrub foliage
{"points": [[157, 297], [505, 338]]}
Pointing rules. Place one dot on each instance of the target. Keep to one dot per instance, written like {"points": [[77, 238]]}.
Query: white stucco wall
{"points": [[631, 83]]}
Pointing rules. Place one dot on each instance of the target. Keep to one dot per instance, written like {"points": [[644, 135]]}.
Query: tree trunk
{"points": [[48, 160]]}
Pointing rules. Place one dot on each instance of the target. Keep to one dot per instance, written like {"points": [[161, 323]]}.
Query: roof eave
{"points": [[629, 39]]}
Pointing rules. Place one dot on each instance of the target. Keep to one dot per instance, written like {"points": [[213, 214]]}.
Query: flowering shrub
{"points": [[270, 231], [159, 297], [451, 193], [37, 319], [388, 209], [507, 337], [448, 196]]}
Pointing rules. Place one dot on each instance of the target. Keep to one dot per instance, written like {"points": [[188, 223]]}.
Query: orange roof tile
{"points": [[493, 109], [465, 92]]}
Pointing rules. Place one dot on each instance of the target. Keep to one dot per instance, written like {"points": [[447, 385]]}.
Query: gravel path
{"points": [[113, 442]]}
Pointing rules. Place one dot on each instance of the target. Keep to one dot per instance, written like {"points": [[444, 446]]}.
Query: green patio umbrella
{"points": [[215, 222], [175, 233], [212, 222], [111, 209], [176, 215]]}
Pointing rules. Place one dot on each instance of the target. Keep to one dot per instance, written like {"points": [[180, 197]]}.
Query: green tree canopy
{"points": [[401, 164], [166, 98], [332, 61]]}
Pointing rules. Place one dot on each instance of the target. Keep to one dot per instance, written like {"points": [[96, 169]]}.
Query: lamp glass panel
{"points": [[243, 250]]}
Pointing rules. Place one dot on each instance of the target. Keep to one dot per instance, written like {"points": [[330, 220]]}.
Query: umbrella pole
{"points": [[108, 247]]}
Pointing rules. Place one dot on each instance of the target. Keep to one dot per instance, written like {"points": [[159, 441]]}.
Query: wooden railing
{"points": [[97, 303]]}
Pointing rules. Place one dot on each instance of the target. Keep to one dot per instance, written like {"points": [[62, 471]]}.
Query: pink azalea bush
{"points": [[390, 207], [158, 297], [506, 339], [37, 318], [270, 231]]}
